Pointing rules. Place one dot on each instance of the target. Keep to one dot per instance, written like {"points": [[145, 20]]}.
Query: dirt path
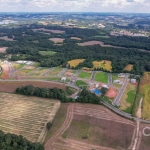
{"points": [[137, 136], [60, 131], [139, 111]]}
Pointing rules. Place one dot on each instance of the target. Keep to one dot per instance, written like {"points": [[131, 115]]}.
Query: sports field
{"points": [[23, 115], [101, 77]]}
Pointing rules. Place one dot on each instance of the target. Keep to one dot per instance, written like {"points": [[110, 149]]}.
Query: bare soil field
{"points": [[75, 38], [3, 49], [10, 86], [23, 115], [6, 38], [48, 30], [57, 40], [90, 127], [144, 141]]}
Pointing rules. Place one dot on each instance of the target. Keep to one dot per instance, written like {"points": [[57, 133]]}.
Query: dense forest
{"points": [[27, 43], [13, 142]]}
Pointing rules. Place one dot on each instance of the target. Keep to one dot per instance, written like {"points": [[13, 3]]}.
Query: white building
{"points": [[63, 79], [133, 80]]}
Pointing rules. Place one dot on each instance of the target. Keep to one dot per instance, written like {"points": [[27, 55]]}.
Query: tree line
{"points": [[10, 141]]}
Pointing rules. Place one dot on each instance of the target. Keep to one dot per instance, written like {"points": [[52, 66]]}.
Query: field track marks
{"points": [[60, 131], [98, 111], [77, 145]]}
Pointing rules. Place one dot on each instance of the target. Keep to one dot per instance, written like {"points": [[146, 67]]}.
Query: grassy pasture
{"points": [[75, 62], [45, 53], [26, 116], [127, 99], [105, 64], [80, 82], [145, 90], [129, 67], [101, 77], [85, 75]]}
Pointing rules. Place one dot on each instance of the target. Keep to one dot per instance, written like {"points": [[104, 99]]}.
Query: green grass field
{"points": [[101, 77], [84, 74], [80, 82], [44, 53], [114, 77]]}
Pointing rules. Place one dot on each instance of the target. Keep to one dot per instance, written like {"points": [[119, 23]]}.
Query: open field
{"points": [[89, 127], [54, 72], [26, 116], [75, 62], [91, 43], [6, 38], [101, 77], [80, 82], [145, 90], [105, 64], [144, 141], [11, 86], [17, 66], [129, 67], [39, 72], [127, 98], [48, 30], [57, 40], [3, 49], [85, 75], [76, 38], [45, 53]]}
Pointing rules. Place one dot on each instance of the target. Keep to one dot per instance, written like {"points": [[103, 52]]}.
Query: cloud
{"points": [[75, 5]]}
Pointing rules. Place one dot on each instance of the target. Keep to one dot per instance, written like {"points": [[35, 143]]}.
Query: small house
{"points": [[133, 80], [63, 79]]}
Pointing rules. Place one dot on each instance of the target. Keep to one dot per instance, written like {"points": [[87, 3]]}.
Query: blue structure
{"points": [[97, 92]]}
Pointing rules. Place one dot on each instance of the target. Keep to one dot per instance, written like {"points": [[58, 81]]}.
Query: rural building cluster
{"points": [[127, 33]]}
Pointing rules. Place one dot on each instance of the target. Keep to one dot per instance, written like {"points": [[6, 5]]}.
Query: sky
{"points": [[133, 6]]}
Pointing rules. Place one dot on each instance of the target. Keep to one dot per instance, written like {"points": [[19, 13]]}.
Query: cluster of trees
{"points": [[13, 142], [54, 93], [88, 97]]}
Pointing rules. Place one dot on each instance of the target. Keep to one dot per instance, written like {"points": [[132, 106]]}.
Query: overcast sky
{"points": [[138, 6]]}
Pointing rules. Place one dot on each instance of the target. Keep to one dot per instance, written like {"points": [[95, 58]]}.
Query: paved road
{"points": [[118, 111], [93, 75], [110, 79], [47, 71], [118, 98], [31, 72], [62, 72], [76, 76]]}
